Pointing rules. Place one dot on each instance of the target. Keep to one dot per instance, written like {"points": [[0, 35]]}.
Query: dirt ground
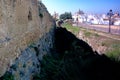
{"points": [[103, 43]]}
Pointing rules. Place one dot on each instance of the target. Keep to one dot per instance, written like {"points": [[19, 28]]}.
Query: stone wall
{"points": [[22, 23], [28, 64]]}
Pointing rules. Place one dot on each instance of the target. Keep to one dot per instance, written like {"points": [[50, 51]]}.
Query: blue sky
{"points": [[88, 6]]}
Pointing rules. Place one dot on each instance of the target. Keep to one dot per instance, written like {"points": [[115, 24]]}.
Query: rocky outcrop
{"points": [[24, 23]]}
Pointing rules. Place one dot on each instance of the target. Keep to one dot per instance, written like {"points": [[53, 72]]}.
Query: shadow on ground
{"points": [[74, 59]]}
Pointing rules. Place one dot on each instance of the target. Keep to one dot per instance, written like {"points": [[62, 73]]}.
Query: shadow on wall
{"points": [[29, 61], [74, 59]]}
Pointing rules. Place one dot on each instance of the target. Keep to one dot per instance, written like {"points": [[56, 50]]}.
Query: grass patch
{"points": [[49, 68], [74, 29], [7, 76], [87, 33], [96, 35], [111, 43], [104, 44], [114, 52]]}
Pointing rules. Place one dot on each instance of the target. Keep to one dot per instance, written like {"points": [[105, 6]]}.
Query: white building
{"points": [[79, 18], [95, 19], [117, 21]]}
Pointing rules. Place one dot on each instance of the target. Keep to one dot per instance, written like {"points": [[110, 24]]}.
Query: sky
{"points": [[87, 6]]}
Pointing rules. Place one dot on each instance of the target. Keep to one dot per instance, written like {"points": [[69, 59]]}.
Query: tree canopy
{"points": [[66, 15]]}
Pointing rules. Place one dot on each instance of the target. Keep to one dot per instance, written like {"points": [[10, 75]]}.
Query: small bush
{"points": [[87, 34], [41, 15], [103, 44], [96, 35], [7, 76], [114, 54]]}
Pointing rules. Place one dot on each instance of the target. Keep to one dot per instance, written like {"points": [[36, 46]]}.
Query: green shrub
{"points": [[49, 68], [87, 33], [7, 76], [41, 15], [103, 44], [114, 53], [96, 35]]}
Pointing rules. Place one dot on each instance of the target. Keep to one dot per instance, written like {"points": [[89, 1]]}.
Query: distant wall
{"points": [[22, 22]]}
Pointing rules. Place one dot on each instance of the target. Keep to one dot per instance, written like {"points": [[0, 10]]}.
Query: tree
{"points": [[66, 15]]}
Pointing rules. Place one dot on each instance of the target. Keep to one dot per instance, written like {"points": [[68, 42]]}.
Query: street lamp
{"points": [[110, 13]]}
